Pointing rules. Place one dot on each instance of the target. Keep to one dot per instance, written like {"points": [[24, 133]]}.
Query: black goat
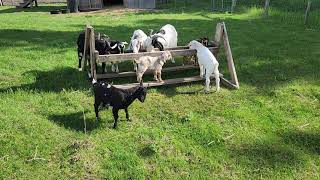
{"points": [[107, 95], [101, 43]]}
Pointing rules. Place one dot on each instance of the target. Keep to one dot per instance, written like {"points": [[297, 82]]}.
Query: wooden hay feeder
{"points": [[95, 58]]}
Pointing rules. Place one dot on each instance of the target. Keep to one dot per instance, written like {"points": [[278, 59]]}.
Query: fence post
{"points": [[266, 8], [213, 5], [307, 12], [222, 5], [233, 6]]}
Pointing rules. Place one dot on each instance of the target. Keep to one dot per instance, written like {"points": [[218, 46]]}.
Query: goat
{"points": [[207, 62], [155, 63], [138, 41], [204, 41], [100, 46], [116, 47], [166, 37], [104, 46], [107, 95]]}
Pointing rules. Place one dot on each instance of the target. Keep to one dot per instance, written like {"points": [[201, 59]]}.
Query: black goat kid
{"points": [[101, 43], [107, 95]]}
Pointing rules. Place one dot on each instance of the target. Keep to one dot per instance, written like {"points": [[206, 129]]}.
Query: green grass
{"points": [[269, 128]]}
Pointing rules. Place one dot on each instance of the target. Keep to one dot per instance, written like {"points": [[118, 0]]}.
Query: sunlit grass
{"points": [[269, 128]]}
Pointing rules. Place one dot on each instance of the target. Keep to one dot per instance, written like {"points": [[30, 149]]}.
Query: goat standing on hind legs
{"points": [[208, 64], [105, 94]]}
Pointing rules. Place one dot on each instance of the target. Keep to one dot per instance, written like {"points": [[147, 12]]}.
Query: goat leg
{"points": [[115, 116], [80, 59], [155, 75], [103, 68], [127, 114], [159, 76], [96, 110]]}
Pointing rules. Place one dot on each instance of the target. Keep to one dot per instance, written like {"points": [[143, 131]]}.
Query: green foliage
{"points": [[269, 128]]}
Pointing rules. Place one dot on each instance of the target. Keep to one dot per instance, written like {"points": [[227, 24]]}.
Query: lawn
{"points": [[268, 129]]}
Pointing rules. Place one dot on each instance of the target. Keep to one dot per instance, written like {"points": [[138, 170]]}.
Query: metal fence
{"points": [[304, 11]]}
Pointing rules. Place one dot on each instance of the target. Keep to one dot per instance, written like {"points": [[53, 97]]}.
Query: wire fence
{"points": [[289, 11]]}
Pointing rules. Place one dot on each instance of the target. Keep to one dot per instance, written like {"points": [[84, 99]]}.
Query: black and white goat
{"points": [[104, 46], [107, 95], [166, 37], [116, 47]]}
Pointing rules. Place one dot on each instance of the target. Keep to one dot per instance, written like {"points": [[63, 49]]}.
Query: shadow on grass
{"points": [[74, 121], [265, 156], [54, 81], [306, 141], [261, 58], [41, 8]]}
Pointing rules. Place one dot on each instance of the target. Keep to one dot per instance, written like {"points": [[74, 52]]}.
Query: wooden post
{"points": [[266, 8], [307, 12], [217, 38], [92, 54], [86, 45], [233, 6], [231, 67]]}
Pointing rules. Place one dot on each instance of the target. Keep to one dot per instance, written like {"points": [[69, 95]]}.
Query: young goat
{"points": [[105, 94], [155, 63], [204, 41], [207, 62], [104, 46], [116, 47], [100, 43]]}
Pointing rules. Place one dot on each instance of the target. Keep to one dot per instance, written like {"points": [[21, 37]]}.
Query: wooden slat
{"points": [[231, 67], [170, 49], [176, 81], [131, 56], [132, 73]]}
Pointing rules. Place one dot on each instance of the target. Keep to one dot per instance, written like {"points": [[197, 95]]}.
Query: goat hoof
{"points": [[206, 91], [129, 119], [80, 69]]}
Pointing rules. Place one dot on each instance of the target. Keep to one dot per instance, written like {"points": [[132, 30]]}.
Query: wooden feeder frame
{"points": [[94, 58]]}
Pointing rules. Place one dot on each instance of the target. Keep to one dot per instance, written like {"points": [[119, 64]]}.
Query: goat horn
{"points": [[157, 36], [113, 47]]}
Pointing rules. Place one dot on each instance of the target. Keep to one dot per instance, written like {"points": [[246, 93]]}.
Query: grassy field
{"points": [[267, 129]]}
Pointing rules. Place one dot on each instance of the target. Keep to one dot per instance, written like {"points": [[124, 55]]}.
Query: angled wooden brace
{"points": [[222, 35]]}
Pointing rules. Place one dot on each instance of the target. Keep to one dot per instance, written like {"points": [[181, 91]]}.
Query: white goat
{"points": [[207, 62], [167, 36], [138, 41], [153, 63]]}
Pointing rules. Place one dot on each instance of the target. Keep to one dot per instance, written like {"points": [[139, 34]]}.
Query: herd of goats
{"points": [[106, 95]]}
